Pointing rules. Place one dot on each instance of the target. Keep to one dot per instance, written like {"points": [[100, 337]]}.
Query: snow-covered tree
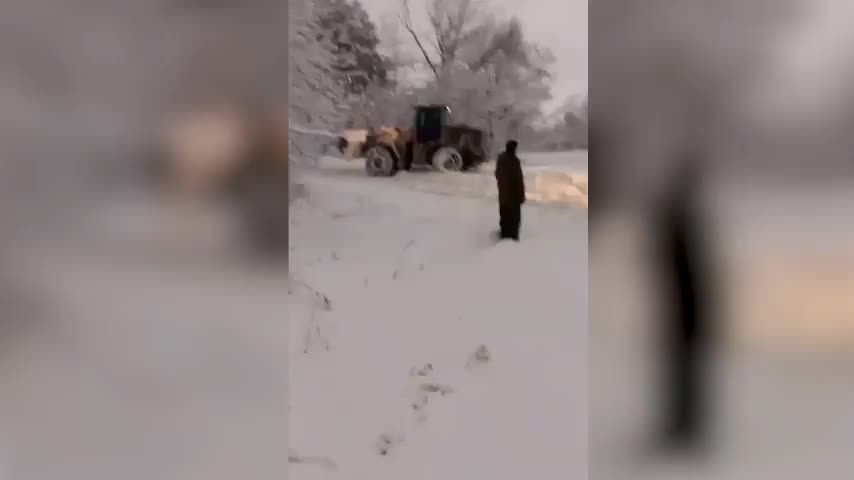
{"points": [[317, 100], [575, 123], [354, 41], [363, 73], [576, 128], [314, 94], [483, 67]]}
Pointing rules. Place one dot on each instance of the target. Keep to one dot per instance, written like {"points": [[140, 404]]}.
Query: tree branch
{"points": [[406, 20], [437, 32]]}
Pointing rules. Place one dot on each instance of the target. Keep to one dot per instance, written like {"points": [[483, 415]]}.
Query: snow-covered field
{"points": [[421, 349]]}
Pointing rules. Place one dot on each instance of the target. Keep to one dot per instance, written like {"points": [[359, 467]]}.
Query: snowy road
{"points": [[559, 177], [397, 286]]}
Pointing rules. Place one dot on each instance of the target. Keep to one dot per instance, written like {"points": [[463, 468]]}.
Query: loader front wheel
{"points": [[380, 162]]}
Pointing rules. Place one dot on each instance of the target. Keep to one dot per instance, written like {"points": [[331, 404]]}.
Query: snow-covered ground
{"points": [[421, 349], [549, 178]]}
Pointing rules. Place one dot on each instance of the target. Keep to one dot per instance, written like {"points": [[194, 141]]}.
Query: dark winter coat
{"points": [[511, 182]]}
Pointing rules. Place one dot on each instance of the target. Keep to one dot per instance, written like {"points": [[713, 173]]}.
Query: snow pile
{"points": [[557, 187], [422, 349]]}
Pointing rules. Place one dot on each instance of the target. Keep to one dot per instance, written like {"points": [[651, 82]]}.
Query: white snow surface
{"points": [[559, 177], [396, 284]]}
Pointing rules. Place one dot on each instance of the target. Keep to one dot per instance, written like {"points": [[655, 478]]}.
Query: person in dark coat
{"points": [[688, 289], [511, 191]]}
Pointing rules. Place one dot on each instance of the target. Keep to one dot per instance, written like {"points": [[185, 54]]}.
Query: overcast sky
{"points": [[560, 25]]}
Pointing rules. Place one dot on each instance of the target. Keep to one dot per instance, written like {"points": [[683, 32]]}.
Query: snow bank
{"points": [[311, 131], [557, 187]]}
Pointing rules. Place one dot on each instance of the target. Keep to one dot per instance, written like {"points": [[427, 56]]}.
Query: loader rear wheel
{"points": [[447, 159]]}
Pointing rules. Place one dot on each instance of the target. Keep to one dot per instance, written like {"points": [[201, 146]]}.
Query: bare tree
{"points": [[406, 19], [454, 24], [462, 30]]}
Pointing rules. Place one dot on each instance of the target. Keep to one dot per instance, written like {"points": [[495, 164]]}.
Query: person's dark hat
{"points": [[511, 145]]}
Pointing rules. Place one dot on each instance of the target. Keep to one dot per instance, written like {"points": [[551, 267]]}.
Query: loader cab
{"points": [[429, 122]]}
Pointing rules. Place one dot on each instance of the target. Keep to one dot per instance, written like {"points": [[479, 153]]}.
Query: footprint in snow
{"points": [[322, 462], [479, 358], [425, 388], [388, 442]]}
